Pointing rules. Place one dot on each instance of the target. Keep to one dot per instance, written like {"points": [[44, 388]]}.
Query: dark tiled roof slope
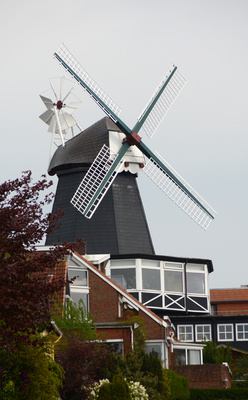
{"points": [[83, 148]]}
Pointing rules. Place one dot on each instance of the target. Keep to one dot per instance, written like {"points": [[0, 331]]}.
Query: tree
{"points": [[32, 372], [25, 290], [24, 287], [213, 354], [82, 353]]}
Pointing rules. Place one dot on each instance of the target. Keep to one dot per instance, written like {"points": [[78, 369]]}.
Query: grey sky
{"points": [[128, 47]]}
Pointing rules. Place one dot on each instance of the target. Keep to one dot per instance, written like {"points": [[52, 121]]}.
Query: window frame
{"points": [[185, 333], [202, 326], [236, 328], [187, 349], [155, 342], [218, 333]]}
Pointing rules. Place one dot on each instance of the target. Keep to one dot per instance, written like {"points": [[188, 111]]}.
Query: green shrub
{"points": [[218, 394], [105, 392], [178, 386], [119, 388]]}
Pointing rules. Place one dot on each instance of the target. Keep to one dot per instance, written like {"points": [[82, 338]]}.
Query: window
{"points": [[128, 273], [185, 333], [79, 275], [242, 331], [115, 345], [203, 333], [154, 348], [79, 288], [173, 281], [151, 279], [225, 332], [195, 275], [188, 356], [194, 357], [77, 294]]}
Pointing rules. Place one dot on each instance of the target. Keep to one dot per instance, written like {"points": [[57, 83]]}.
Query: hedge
{"points": [[216, 394]]}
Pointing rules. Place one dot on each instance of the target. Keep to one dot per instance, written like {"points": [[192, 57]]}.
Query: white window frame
{"points": [[117, 341], [159, 342], [179, 333], [197, 333], [187, 347], [243, 339], [218, 333]]}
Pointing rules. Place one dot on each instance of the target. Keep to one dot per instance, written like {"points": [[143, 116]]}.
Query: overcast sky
{"points": [[127, 47]]}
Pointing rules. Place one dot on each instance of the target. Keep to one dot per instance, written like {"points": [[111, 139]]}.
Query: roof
{"points": [[82, 149], [228, 295], [182, 260], [120, 290]]}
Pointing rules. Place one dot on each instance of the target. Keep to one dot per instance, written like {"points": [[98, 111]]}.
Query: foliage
{"points": [[26, 370], [139, 332], [213, 354], [82, 353], [31, 372], [218, 394], [73, 319], [140, 367], [240, 370], [119, 389], [84, 362], [178, 386], [24, 287]]}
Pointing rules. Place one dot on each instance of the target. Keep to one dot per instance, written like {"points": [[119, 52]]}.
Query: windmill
{"points": [[58, 115], [107, 164]]}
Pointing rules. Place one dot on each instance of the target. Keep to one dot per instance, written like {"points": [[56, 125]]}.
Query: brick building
{"points": [[113, 307]]}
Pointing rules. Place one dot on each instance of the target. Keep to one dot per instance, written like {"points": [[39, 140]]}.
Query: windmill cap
{"points": [[81, 150]]}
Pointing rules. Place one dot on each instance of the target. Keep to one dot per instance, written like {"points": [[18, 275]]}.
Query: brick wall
{"points": [[104, 300], [207, 376]]}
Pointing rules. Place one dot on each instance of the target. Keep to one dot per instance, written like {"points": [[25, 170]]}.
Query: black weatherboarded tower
{"points": [[119, 224]]}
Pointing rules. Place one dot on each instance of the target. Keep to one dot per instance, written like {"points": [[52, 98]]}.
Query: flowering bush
{"points": [[96, 388], [136, 390]]}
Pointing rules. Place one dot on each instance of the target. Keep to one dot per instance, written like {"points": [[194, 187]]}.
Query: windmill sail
{"points": [[109, 106], [96, 182], [180, 192], [161, 101], [86, 199]]}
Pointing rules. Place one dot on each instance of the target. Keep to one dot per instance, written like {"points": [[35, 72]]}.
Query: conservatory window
{"points": [[173, 281], [151, 279], [129, 275], [195, 275]]}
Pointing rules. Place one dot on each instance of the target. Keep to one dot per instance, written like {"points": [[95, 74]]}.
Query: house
{"points": [[227, 324], [113, 307]]}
